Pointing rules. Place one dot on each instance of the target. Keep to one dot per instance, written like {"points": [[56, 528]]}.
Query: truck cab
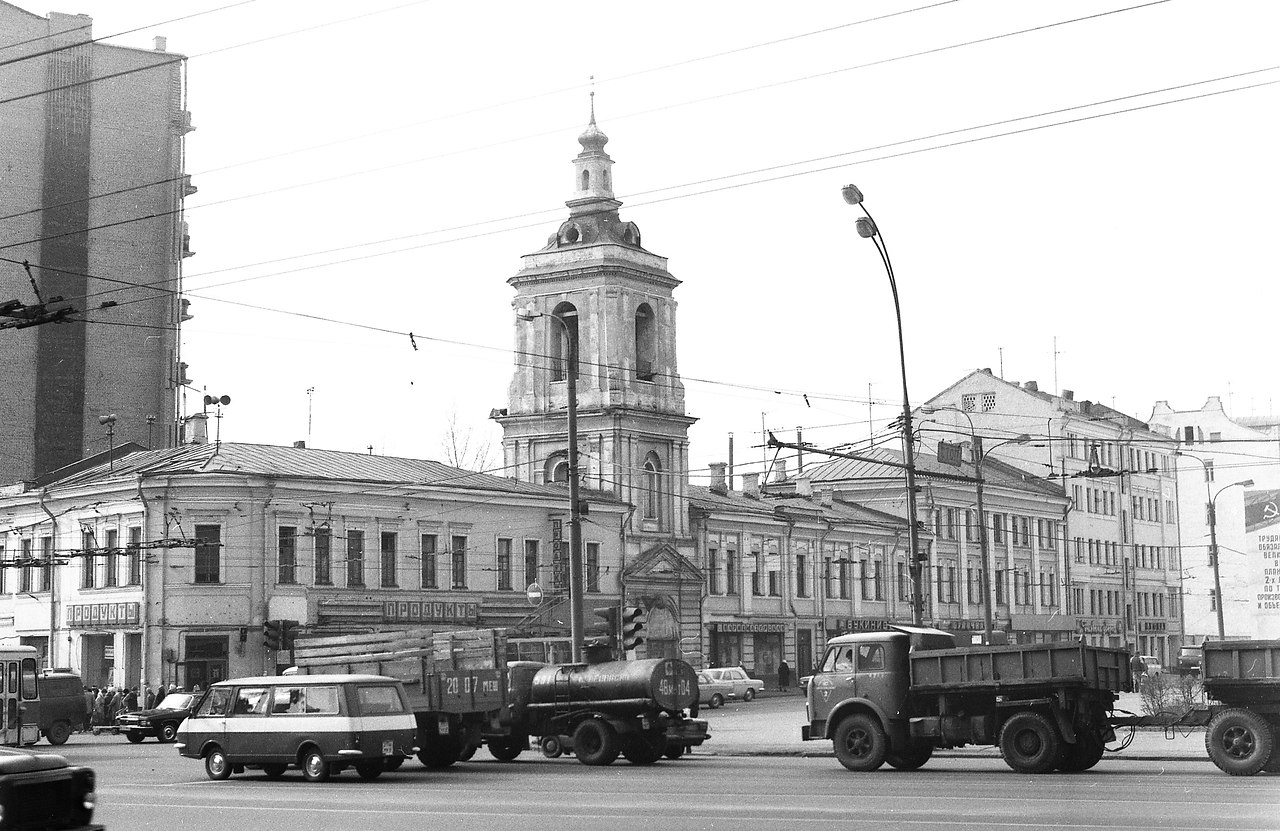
{"points": [[863, 671]]}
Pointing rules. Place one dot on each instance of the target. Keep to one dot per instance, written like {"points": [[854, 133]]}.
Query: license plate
{"points": [[388, 747]]}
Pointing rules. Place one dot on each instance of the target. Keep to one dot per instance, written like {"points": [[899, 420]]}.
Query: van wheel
{"points": [[1239, 741], [168, 732], [135, 738], [216, 766], [595, 743], [59, 732], [860, 743], [392, 762], [314, 767], [369, 770], [1029, 743], [274, 771]]}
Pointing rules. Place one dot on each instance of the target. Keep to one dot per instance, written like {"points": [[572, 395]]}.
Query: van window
{"points": [[250, 701], [302, 700], [379, 700], [215, 703]]}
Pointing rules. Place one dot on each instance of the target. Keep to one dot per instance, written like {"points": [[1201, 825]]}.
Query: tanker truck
{"points": [[895, 696], [641, 709]]}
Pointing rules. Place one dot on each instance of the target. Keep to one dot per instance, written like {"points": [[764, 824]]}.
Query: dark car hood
{"points": [[157, 711], [17, 761]]}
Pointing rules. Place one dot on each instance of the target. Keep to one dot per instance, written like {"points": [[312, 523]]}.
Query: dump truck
{"points": [[896, 696], [456, 681], [1241, 679]]}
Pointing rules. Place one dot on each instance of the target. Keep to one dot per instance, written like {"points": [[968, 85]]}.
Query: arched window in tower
{"points": [[556, 468], [644, 343], [586, 180], [564, 343], [652, 496]]}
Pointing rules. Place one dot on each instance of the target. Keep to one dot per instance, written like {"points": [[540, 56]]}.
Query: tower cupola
{"points": [[592, 172]]}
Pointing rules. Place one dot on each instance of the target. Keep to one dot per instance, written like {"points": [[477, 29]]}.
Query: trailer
{"points": [[456, 681], [1241, 679], [896, 696]]}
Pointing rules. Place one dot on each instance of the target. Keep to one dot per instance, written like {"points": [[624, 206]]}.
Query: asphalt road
{"points": [[148, 786]]}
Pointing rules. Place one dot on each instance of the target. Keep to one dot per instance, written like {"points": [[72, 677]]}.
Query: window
{"points": [[988, 401], [208, 557], [1208, 470], [320, 700], [644, 343], [504, 564], [379, 700], [593, 566], [866, 588], [564, 358], [652, 489], [730, 572], [969, 402], [530, 562], [999, 586], [89, 560], [355, 558], [390, 541], [112, 575], [135, 556], [1213, 600], [323, 546], [904, 582], [997, 528], [427, 550], [844, 579], [713, 572], [773, 584], [802, 585], [757, 576], [286, 554], [458, 547]]}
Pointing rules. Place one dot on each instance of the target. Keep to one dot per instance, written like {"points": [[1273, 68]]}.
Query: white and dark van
{"points": [[320, 724]]}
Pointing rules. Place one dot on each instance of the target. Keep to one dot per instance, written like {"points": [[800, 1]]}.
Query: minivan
{"points": [[62, 704], [320, 724]]}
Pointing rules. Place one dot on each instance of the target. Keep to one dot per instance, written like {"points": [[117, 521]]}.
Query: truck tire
{"points": [[506, 750], [1029, 743], [551, 747], [911, 757], [860, 743], [1084, 754], [595, 743], [1239, 741], [644, 749], [439, 753]]}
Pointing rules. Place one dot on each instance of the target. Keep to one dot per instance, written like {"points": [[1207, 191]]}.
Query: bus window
{"points": [[29, 692]]}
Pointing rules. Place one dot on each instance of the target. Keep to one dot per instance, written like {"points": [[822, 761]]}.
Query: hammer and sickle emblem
{"points": [[1269, 511]]}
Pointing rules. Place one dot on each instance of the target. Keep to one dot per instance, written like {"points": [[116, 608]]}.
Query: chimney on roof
{"points": [[195, 430], [718, 484], [825, 497], [162, 43], [780, 470], [804, 486], [751, 484], [1069, 395], [1031, 386], [301, 445]]}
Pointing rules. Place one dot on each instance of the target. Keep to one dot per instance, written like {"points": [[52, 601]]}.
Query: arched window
{"points": [[644, 343], [563, 358], [556, 468], [652, 496], [586, 180]]}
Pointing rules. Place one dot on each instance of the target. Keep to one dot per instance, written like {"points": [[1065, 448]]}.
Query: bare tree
{"points": [[463, 448]]}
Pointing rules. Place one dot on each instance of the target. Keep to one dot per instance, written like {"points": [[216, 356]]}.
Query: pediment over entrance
{"points": [[661, 563]]}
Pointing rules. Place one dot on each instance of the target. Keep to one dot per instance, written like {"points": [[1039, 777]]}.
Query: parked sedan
{"points": [[162, 721], [744, 687], [713, 692]]}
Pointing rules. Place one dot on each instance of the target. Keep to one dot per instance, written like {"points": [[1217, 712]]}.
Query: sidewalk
{"points": [[770, 726]]}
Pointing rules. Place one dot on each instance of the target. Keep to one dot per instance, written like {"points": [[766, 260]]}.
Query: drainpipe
{"points": [[53, 583], [143, 616]]}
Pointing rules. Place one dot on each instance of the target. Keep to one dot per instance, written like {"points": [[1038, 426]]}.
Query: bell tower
{"points": [[616, 299]]}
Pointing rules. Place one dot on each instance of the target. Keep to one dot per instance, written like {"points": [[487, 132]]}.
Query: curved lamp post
{"points": [[988, 611], [576, 624], [867, 230], [1213, 547]]}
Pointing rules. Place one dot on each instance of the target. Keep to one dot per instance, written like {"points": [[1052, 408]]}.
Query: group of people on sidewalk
{"points": [[103, 705]]}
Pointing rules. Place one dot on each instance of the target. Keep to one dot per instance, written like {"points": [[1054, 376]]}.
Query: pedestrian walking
{"points": [[784, 675], [1139, 668], [99, 707], [88, 709], [151, 699]]}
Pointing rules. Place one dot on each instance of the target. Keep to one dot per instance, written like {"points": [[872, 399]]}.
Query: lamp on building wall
{"points": [[576, 622], [867, 230]]}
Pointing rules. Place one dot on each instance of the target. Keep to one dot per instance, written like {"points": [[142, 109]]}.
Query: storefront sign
{"points": [[749, 627], [1100, 627], [103, 614], [429, 611], [860, 624], [1151, 626], [970, 625]]}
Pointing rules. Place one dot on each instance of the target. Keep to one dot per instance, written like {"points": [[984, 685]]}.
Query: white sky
{"points": [[1138, 239]]}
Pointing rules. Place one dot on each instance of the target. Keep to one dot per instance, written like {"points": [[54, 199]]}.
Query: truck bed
{"points": [[1019, 666]]}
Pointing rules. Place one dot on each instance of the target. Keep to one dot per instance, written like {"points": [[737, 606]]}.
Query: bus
{"points": [[19, 696]]}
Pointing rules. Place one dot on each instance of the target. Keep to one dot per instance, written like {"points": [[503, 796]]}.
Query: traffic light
{"points": [[605, 633], [273, 633], [288, 633], [633, 620]]}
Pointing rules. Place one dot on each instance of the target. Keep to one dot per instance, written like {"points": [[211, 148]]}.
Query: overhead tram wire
{"points": [[621, 117]]}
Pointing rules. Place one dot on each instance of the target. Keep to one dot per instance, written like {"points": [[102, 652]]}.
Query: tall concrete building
{"points": [[91, 194]]}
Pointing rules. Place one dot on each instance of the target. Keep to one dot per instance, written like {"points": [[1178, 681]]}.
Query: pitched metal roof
{"points": [[995, 473], [777, 506]]}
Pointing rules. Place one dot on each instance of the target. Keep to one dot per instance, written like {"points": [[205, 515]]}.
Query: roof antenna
{"points": [[593, 99]]}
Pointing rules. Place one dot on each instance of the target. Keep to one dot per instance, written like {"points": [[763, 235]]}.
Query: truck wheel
{"points": [[551, 747], [505, 750], [674, 751], [439, 753], [860, 743], [595, 743], [910, 758], [1239, 741], [58, 732], [644, 749], [1084, 754], [467, 752], [216, 766], [1029, 743]]}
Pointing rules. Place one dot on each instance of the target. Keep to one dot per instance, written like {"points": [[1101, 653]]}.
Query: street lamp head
{"points": [[527, 313], [866, 228], [851, 194], [1023, 439], [1248, 483]]}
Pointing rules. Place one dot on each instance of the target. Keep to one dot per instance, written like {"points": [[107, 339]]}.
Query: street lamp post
{"points": [[979, 453], [1213, 548], [867, 230], [576, 624]]}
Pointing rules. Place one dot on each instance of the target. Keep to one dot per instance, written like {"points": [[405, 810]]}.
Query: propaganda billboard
{"points": [[1262, 546]]}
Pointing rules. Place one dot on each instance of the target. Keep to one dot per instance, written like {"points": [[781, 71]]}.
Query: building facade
{"points": [[1231, 464], [91, 145], [1124, 567], [162, 566]]}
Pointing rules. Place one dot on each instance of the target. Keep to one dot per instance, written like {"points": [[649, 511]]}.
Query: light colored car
{"points": [[1154, 667], [744, 687], [713, 692]]}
